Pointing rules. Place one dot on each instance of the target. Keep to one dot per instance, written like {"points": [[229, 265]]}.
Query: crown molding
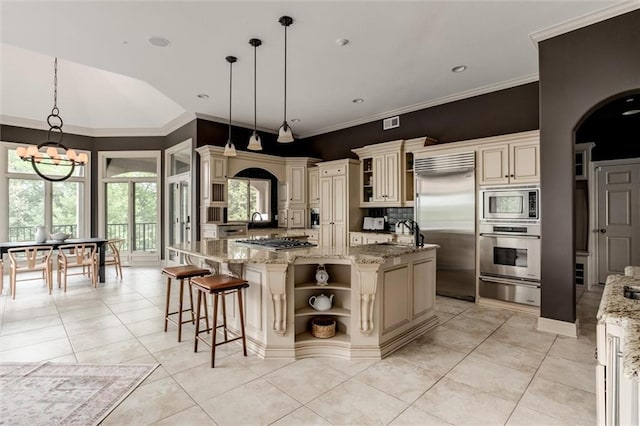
{"points": [[171, 126], [584, 21], [431, 103]]}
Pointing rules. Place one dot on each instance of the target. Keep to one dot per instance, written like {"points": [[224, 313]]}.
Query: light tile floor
{"points": [[481, 366]]}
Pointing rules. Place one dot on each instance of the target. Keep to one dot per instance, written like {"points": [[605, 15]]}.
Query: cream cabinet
{"points": [[296, 184], [213, 184], [618, 396], [337, 184], [314, 186], [509, 163], [381, 172]]}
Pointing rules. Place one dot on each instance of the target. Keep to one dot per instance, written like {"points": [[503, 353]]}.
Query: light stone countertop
{"points": [[617, 309], [227, 251]]}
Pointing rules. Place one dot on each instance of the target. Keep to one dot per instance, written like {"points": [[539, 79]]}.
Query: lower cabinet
{"points": [[618, 397]]}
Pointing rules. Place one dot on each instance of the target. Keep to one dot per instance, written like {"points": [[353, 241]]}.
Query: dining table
{"points": [[98, 241]]}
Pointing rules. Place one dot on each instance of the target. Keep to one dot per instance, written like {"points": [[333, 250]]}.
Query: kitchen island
{"points": [[383, 295], [618, 350]]}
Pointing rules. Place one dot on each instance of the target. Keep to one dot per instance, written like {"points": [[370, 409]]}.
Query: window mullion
{"points": [[48, 205]]}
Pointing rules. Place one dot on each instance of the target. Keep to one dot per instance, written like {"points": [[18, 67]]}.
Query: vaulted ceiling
{"points": [[399, 56]]}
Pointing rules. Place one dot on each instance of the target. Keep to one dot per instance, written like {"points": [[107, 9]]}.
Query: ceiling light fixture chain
{"points": [[230, 149], [285, 134], [255, 143], [51, 156]]}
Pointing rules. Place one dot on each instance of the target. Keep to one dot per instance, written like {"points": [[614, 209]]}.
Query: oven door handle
{"points": [[508, 281], [531, 237]]}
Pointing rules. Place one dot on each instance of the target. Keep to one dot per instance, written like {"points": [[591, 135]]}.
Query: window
{"points": [[129, 203], [249, 200], [29, 201]]}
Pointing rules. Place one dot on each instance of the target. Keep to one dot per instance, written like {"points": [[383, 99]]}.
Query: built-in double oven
{"points": [[509, 241]]}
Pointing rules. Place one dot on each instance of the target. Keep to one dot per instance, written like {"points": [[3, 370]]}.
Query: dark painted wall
{"points": [[506, 111], [213, 133], [578, 71]]}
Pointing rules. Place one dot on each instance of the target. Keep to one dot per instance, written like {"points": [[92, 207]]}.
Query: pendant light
{"points": [[229, 148], [53, 152], [285, 135], [254, 140]]}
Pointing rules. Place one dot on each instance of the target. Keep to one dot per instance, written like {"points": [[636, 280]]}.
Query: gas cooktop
{"points": [[276, 243]]}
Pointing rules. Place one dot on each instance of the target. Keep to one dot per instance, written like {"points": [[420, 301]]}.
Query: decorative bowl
{"points": [[59, 236]]}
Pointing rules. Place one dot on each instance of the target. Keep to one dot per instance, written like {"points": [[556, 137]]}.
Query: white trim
{"points": [[548, 325], [427, 104], [171, 126], [129, 256], [169, 179], [584, 20], [84, 217], [593, 195]]}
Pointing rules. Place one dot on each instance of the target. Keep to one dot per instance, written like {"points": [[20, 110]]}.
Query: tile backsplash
{"points": [[394, 214]]}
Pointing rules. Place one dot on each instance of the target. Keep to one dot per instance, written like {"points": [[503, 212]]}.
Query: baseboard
{"points": [[564, 328]]}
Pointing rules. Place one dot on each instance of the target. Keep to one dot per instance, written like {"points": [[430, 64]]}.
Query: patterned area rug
{"points": [[56, 393]]}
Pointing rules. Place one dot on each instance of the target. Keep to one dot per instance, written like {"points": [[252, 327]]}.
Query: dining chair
{"points": [[81, 256], [112, 255], [30, 259]]}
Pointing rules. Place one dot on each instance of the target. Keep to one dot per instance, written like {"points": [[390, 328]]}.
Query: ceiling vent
{"points": [[391, 123]]}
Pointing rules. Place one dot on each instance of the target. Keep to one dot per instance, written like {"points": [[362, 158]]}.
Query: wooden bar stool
{"points": [[180, 273], [219, 285]]}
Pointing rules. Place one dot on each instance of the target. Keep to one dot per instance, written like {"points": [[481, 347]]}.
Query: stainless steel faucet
{"points": [[418, 238], [253, 216]]}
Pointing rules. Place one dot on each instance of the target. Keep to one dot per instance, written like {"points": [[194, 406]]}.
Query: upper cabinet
{"points": [[314, 186], [297, 184], [381, 171], [583, 160], [509, 163]]}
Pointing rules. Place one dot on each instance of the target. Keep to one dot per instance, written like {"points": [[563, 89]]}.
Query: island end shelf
{"points": [[383, 296]]}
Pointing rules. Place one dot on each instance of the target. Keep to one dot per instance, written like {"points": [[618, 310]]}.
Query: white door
{"points": [[179, 211], [618, 231]]}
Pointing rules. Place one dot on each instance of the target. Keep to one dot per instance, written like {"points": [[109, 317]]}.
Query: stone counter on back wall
{"points": [[384, 296]]}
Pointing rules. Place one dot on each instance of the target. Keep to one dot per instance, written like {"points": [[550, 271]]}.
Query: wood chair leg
{"points": [[13, 284], [199, 301], [224, 316], [166, 305], [213, 330], [241, 313], [180, 298], [190, 290]]}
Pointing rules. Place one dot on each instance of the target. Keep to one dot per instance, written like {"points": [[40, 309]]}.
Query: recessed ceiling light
{"points": [[125, 42], [203, 96], [342, 42], [631, 112], [295, 120], [159, 41], [459, 68], [358, 101]]}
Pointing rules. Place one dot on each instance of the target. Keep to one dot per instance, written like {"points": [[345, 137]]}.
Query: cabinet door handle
{"points": [[506, 176], [512, 175]]}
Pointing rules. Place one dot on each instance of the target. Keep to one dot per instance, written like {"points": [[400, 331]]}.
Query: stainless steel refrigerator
{"points": [[446, 213]]}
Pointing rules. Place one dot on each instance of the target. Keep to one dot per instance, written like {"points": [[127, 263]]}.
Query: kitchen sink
{"points": [[632, 292]]}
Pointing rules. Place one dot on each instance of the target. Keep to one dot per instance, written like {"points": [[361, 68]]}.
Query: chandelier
{"points": [[52, 152]]}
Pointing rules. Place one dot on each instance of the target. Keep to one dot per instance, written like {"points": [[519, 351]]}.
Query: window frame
{"points": [[248, 209], [84, 219]]}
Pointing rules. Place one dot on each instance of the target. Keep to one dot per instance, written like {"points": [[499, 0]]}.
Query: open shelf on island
{"points": [[307, 310], [329, 286]]}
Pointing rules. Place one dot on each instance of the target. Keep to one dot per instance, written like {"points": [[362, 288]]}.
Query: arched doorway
{"points": [[607, 188]]}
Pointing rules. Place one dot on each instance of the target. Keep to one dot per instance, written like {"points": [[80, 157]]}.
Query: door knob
{"points": [[603, 231]]}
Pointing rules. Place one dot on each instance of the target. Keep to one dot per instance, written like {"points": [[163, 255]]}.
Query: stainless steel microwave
{"points": [[510, 203]]}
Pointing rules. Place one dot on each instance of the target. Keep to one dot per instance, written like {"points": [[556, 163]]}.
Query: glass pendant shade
{"points": [[229, 149], [254, 142], [284, 133]]}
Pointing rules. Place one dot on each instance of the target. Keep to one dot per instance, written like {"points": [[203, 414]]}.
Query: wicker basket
{"points": [[323, 327]]}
